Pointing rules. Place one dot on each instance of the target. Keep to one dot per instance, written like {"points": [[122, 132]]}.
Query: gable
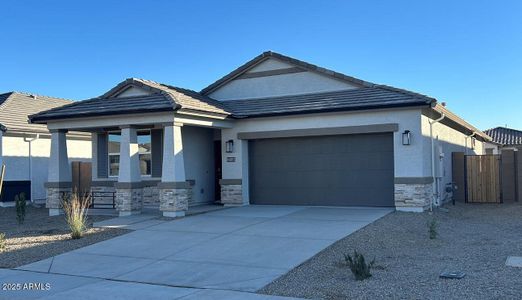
{"points": [[133, 91], [273, 77]]}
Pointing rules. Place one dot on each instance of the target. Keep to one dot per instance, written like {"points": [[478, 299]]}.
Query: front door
{"points": [[217, 168]]}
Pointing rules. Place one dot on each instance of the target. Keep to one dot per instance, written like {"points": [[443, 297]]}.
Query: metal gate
{"points": [[483, 180]]}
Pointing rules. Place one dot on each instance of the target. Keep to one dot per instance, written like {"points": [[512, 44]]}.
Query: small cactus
{"points": [[432, 229], [20, 208], [358, 265]]}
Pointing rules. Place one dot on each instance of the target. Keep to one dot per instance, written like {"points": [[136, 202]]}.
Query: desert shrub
{"points": [[2, 242], [358, 265], [75, 209], [20, 207], [432, 229]]}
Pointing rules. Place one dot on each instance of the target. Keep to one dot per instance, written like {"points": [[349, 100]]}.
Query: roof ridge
{"points": [[171, 90], [170, 96], [39, 95], [310, 67], [407, 92]]}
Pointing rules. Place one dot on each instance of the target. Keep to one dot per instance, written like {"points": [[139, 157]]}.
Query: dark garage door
{"points": [[339, 170]]}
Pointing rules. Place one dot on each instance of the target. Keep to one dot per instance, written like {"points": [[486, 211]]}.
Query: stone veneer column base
{"points": [[129, 200], [55, 194], [174, 198], [413, 197], [231, 192]]}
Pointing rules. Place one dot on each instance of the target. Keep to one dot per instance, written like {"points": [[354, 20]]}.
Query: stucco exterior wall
{"points": [[15, 154], [447, 140], [198, 152], [494, 148], [133, 91], [278, 85], [408, 160]]}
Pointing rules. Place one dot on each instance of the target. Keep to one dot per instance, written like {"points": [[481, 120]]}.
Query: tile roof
{"points": [[505, 136], [362, 98], [15, 107], [183, 98], [107, 106], [169, 98], [163, 98]]}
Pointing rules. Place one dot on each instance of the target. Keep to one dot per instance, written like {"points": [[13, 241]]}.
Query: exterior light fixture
{"points": [[406, 138], [473, 141], [229, 146]]}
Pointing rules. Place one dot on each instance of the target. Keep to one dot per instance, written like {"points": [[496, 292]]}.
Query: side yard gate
{"points": [[487, 178]]}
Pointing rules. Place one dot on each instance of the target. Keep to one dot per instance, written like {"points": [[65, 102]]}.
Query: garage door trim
{"points": [[362, 129]]}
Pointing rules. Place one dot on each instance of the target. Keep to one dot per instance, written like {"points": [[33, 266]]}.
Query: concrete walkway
{"points": [[222, 254]]}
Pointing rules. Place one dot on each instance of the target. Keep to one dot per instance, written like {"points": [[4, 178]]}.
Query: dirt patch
{"points": [[475, 239], [41, 236]]}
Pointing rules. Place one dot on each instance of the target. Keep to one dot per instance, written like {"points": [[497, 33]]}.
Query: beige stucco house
{"points": [[276, 130], [25, 148]]}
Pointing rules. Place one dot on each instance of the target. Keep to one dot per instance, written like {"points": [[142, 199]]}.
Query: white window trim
{"points": [[112, 153]]}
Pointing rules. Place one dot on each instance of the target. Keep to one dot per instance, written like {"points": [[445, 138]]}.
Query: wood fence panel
{"points": [[81, 176], [483, 179]]}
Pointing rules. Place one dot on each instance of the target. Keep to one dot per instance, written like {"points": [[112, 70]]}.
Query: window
{"points": [[144, 152], [114, 153]]}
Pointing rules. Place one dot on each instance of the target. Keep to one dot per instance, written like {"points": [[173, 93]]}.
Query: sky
{"points": [[465, 53]]}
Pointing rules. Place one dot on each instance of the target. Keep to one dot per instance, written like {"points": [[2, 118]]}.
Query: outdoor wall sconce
{"points": [[229, 146], [473, 140], [406, 138]]}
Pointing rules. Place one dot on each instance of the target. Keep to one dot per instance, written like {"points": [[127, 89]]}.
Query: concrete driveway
{"points": [[222, 254]]}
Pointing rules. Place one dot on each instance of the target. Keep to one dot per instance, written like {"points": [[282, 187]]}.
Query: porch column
{"points": [[174, 190], [59, 172], [128, 188]]}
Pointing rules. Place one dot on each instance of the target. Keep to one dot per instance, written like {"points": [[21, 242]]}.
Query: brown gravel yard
{"points": [[475, 239], [41, 236]]}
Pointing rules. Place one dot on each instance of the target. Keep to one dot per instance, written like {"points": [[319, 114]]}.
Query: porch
{"points": [[169, 166]]}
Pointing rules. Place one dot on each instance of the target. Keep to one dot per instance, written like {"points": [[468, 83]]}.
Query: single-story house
{"points": [[276, 130], [503, 138], [25, 148]]}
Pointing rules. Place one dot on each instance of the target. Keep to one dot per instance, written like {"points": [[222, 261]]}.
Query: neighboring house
{"points": [[503, 138], [25, 148], [276, 130]]}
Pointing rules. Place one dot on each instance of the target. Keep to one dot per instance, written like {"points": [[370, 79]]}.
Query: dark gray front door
{"points": [[340, 170]]}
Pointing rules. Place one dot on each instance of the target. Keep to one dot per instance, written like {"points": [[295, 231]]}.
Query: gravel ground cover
{"points": [[475, 239], [41, 236]]}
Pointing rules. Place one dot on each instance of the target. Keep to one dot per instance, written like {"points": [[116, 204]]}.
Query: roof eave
{"points": [[461, 122], [43, 120], [314, 111]]}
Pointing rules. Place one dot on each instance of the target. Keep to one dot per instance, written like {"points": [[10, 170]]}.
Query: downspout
{"points": [[469, 137], [30, 141], [434, 183]]}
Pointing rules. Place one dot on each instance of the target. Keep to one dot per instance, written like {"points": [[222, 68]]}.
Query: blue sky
{"points": [[467, 53]]}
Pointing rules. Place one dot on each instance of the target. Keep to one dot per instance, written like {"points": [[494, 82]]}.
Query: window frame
{"points": [[145, 153], [109, 154]]}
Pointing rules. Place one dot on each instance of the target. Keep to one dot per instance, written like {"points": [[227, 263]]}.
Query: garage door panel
{"points": [[339, 170]]}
